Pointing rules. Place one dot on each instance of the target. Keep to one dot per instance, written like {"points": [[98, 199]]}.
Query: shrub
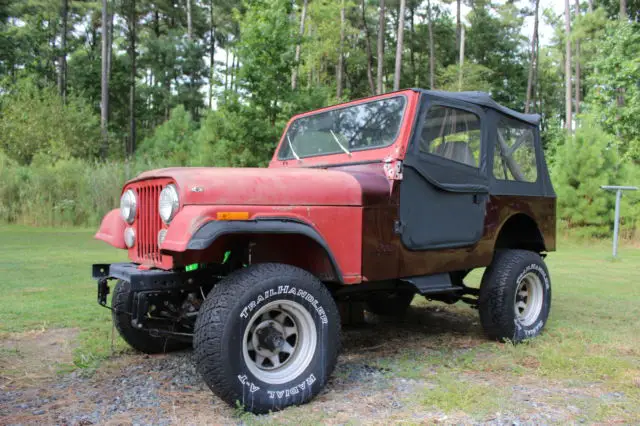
{"points": [[172, 141], [35, 121], [235, 135], [581, 165]]}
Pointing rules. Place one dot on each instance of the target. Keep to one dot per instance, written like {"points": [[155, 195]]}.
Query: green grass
{"points": [[592, 338], [45, 282]]}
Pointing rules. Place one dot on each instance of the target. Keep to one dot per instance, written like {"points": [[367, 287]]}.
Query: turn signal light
{"points": [[233, 215]]}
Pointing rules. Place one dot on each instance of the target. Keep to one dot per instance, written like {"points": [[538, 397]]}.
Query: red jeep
{"points": [[373, 201]]}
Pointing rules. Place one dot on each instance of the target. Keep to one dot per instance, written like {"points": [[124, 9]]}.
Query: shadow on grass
{"points": [[428, 325]]}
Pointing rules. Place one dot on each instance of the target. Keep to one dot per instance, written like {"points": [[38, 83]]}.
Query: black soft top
{"points": [[483, 99]]}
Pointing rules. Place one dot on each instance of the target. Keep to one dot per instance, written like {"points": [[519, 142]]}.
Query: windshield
{"points": [[368, 125]]}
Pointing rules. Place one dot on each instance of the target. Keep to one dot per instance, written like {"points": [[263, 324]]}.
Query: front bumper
{"points": [[148, 286]]}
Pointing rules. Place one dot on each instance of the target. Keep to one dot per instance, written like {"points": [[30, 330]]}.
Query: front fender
{"points": [[196, 227], [211, 231], [112, 229]]}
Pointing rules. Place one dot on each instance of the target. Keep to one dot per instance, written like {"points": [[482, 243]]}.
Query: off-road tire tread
{"points": [[217, 308], [494, 316], [140, 340]]}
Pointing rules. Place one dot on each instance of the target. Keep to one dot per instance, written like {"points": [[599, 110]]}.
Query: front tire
{"points": [[267, 337], [140, 340], [515, 296]]}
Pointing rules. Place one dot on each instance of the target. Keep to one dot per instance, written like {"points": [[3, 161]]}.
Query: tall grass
{"points": [[65, 193], [76, 192]]}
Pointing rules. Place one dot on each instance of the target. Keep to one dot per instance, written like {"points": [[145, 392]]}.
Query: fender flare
{"points": [[212, 230]]}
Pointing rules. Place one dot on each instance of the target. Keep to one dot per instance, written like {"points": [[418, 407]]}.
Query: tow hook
{"points": [[103, 291]]}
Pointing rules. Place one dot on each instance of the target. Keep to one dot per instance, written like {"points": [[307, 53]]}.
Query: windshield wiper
{"points": [[293, 151], [338, 142]]}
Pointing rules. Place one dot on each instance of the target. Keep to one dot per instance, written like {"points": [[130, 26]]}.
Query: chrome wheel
{"points": [[529, 299], [279, 341]]}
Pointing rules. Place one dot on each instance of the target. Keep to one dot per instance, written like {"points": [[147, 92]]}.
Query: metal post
{"points": [[616, 223]]}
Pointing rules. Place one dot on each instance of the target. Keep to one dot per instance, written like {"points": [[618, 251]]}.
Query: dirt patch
{"points": [[30, 357], [372, 383]]}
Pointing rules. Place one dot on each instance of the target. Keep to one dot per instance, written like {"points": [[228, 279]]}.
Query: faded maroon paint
{"points": [[499, 210], [385, 257], [348, 199]]}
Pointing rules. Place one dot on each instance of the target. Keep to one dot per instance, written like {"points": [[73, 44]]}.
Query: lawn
{"points": [[592, 340], [45, 282]]}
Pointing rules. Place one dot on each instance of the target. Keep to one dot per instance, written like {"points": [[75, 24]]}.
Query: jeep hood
{"points": [[273, 186]]}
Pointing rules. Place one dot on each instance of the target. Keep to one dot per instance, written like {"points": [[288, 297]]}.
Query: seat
{"points": [[456, 151]]}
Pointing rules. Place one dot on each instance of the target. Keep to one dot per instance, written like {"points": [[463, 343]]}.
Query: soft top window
{"points": [[368, 125], [514, 157], [452, 133]]}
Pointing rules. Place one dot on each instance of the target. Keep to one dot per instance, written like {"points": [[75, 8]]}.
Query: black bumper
{"points": [[151, 279], [149, 285]]}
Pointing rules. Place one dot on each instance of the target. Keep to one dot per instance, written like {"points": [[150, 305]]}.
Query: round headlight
{"points": [[168, 203], [129, 237], [128, 204]]}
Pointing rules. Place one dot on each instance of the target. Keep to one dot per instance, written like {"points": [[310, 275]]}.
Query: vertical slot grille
{"points": [[148, 223]]}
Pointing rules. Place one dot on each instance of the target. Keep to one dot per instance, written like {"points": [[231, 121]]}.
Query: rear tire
{"points": [[267, 337], [515, 296], [391, 304], [140, 340]]}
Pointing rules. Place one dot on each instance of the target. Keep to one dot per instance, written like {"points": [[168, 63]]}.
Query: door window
{"points": [[453, 134], [514, 157]]}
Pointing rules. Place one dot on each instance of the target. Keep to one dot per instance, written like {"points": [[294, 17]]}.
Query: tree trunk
{"points": [[536, 86], [458, 25], [432, 55], [533, 58], [189, 21], [294, 72], [234, 62], [132, 77], [578, 94], [461, 59], [399, 46], [567, 66], [212, 51], [109, 47], [62, 76], [590, 6], [234, 73], [372, 86], [340, 68], [620, 90], [412, 55], [231, 69], [226, 65], [104, 83], [381, 31]]}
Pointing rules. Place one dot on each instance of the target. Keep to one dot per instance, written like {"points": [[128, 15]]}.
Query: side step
{"points": [[433, 284]]}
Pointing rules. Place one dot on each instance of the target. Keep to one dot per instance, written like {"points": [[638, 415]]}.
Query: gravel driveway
{"points": [[368, 386]]}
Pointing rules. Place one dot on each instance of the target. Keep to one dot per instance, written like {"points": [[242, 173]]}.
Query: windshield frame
{"points": [[406, 107]]}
